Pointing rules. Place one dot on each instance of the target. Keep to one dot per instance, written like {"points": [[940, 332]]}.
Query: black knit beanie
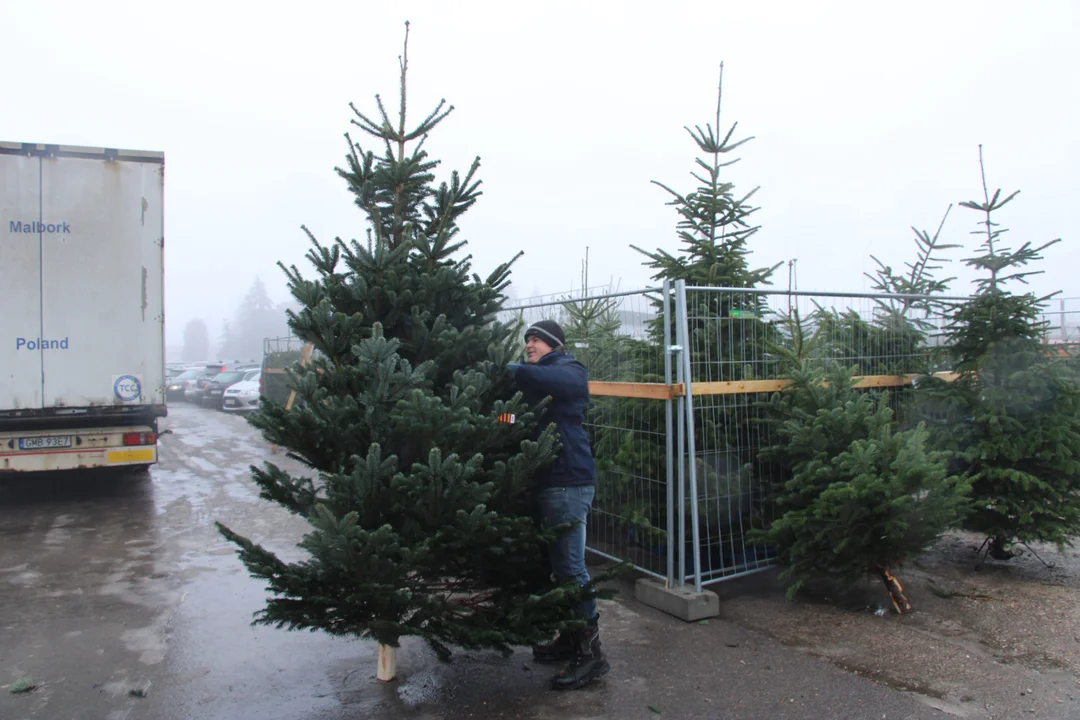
{"points": [[548, 331]]}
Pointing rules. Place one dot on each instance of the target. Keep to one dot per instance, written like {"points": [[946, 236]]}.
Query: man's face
{"points": [[535, 348]]}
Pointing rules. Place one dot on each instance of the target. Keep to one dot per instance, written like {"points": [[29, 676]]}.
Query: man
{"points": [[565, 492]]}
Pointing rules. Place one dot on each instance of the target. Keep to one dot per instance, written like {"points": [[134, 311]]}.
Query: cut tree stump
{"points": [[896, 591]]}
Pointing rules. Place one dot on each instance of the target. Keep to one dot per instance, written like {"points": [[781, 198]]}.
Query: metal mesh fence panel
{"points": [[1062, 318], [278, 354], [619, 337], [739, 344]]}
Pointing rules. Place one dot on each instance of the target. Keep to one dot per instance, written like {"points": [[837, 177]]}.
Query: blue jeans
{"points": [[558, 505]]}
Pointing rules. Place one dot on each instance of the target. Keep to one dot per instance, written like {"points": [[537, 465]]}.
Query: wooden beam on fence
{"points": [[660, 391], [746, 387], [881, 381], [647, 391], [874, 381], [737, 387]]}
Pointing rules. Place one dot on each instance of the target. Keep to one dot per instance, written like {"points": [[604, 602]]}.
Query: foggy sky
{"points": [[867, 119]]}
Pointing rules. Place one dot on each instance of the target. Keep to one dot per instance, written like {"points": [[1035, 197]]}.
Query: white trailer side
{"points": [[82, 367]]}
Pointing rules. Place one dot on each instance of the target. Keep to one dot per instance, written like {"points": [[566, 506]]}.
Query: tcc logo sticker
{"points": [[127, 388]]}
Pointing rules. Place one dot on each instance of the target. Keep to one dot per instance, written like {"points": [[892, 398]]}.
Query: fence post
{"points": [[683, 329], [1064, 334], [669, 437], [680, 454]]}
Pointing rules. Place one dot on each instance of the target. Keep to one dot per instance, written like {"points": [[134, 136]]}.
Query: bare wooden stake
{"points": [[387, 663]]}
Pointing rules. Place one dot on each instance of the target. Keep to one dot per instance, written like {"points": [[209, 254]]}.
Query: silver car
{"points": [[244, 395]]}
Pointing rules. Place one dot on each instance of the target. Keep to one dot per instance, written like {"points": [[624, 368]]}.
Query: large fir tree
{"points": [[1012, 417], [728, 331], [714, 229], [417, 499]]}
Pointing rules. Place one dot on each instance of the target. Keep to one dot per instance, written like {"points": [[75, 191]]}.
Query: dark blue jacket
{"points": [[566, 380]]}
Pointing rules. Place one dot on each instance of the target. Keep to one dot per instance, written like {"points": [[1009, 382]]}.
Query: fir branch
{"points": [[996, 259]]}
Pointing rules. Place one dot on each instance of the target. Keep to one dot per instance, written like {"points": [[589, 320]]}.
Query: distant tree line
{"points": [[256, 318]]}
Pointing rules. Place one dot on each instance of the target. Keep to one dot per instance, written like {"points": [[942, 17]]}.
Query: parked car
{"points": [[178, 385], [244, 395], [173, 370], [195, 391], [214, 395]]}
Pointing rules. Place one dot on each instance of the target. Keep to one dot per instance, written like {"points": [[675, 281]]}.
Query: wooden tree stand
{"points": [[387, 663]]}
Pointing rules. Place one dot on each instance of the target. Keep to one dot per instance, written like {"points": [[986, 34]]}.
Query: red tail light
{"points": [[145, 438]]}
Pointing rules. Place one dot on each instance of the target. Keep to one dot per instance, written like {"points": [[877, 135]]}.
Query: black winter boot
{"points": [[561, 649], [588, 664]]}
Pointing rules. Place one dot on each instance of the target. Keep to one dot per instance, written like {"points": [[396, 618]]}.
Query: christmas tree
{"points": [[421, 454], [919, 283], [715, 227], [728, 332], [894, 340], [1012, 417], [858, 498]]}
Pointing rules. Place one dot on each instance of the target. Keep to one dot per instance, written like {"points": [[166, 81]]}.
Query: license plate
{"points": [[126, 456], [40, 443], [231, 402]]}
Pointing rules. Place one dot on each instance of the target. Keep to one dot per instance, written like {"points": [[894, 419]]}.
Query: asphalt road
{"points": [[118, 599]]}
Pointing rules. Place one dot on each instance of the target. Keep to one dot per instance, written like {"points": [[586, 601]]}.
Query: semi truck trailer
{"points": [[82, 319]]}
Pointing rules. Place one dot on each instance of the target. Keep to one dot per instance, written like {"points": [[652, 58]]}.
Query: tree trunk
{"points": [[895, 590], [387, 663], [997, 549]]}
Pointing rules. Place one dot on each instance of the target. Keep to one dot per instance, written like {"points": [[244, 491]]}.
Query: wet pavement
{"points": [[118, 599], [1002, 641]]}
